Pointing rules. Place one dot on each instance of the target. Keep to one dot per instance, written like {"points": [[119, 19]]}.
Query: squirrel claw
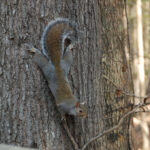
{"points": [[32, 49]]}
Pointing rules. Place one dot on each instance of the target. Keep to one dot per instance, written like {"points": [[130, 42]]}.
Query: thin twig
{"points": [[114, 127], [124, 92], [110, 81], [133, 95], [69, 135]]}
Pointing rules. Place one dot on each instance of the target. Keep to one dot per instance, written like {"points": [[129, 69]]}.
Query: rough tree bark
{"points": [[28, 116]]}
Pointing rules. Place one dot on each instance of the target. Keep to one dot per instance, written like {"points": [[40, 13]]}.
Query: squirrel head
{"points": [[81, 110]]}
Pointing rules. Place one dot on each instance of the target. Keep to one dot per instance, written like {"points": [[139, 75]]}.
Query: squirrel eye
{"points": [[80, 111]]}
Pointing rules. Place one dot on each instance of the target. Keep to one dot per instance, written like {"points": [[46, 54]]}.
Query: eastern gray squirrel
{"points": [[55, 60]]}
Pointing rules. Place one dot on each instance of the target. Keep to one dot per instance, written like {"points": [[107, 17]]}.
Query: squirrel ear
{"points": [[83, 103], [77, 104]]}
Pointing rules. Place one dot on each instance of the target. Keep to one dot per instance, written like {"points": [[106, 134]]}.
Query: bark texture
{"points": [[28, 116]]}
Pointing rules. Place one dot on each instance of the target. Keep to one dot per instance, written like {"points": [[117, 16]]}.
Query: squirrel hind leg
{"points": [[66, 62], [68, 41]]}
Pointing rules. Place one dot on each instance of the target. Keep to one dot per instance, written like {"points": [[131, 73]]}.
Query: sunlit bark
{"points": [[141, 70], [140, 65]]}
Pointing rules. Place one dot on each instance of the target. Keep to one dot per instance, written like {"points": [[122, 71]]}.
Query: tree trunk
{"points": [[141, 72], [99, 75], [140, 66]]}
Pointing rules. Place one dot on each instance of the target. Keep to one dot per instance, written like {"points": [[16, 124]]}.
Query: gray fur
{"points": [[43, 61], [48, 70], [66, 62], [66, 59]]}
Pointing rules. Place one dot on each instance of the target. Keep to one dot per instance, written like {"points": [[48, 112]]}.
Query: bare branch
{"points": [[124, 92], [69, 135], [114, 127]]}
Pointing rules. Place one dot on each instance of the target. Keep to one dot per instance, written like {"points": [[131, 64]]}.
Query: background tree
{"points": [[100, 75], [139, 20]]}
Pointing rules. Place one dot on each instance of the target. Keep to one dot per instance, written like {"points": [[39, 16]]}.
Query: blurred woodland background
{"points": [[139, 33]]}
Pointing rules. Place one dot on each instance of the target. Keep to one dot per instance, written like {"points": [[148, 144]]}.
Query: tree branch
{"points": [[124, 92], [116, 126], [69, 135]]}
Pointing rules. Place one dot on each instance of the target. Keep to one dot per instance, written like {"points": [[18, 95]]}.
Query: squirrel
{"points": [[55, 61]]}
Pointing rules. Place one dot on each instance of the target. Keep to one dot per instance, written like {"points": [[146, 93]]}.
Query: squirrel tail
{"points": [[61, 28]]}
